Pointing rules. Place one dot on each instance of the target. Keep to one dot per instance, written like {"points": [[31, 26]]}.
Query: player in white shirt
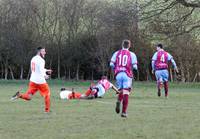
{"points": [[38, 79]]}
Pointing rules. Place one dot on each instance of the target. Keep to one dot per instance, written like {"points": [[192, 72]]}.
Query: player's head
{"points": [[104, 77], [126, 44], [41, 51], [159, 46]]}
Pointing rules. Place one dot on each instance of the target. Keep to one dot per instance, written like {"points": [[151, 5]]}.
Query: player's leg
{"points": [[75, 95], [86, 94], [45, 92], [119, 83], [32, 89], [159, 81], [94, 93], [166, 85], [127, 84]]}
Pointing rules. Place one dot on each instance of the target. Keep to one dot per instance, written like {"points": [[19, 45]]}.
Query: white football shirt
{"points": [[38, 72]]}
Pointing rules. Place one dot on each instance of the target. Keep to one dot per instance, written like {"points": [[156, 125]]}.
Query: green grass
{"points": [[150, 117]]}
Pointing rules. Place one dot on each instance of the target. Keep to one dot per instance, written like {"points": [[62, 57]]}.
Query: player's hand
{"points": [[117, 92], [152, 71], [49, 71]]}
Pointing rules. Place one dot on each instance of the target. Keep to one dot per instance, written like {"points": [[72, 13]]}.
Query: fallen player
{"points": [[94, 91]]}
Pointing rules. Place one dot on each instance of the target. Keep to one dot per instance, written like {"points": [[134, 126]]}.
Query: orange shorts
{"points": [[43, 88], [75, 95]]}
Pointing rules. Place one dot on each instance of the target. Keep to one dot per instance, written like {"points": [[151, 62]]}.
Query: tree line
{"points": [[81, 35]]}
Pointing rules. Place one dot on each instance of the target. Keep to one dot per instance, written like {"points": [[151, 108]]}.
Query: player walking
{"points": [[159, 63], [37, 80], [122, 62]]}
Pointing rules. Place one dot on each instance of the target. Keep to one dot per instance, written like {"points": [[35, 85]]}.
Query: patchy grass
{"points": [[150, 117]]}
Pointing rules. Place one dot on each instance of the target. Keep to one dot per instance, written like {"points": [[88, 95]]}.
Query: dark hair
{"points": [[125, 43], [62, 89], [159, 45], [104, 77], [39, 48]]}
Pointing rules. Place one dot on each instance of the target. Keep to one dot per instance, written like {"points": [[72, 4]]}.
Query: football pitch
{"points": [[149, 117]]}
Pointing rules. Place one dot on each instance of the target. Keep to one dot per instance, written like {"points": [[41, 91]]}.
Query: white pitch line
{"points": [[103, 102]]}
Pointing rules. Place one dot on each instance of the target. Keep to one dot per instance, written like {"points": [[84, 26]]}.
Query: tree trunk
{"points": [[21, 72], [65, 72], [29, 72], [148, 74], [58, 62], [6, 70], [92, 75], [69, 74], [11, 73], [2, 71], [188, 75], [182, 72], [77, 72], [195, 77]]}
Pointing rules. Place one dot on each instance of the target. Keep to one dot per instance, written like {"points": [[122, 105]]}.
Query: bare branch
{"points": [[171, 5], [189, 4]]}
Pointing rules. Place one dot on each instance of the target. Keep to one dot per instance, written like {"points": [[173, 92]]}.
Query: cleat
{"points": [[124, 115], [117, 108], [16, 96]]}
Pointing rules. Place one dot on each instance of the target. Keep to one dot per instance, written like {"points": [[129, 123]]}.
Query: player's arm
{"points": [[43, 70], [170, 58], [134, 61], [49, 71], [114, 88], [153, 62]]}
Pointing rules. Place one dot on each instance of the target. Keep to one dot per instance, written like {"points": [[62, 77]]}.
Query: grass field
{"points": [[149, 117]]}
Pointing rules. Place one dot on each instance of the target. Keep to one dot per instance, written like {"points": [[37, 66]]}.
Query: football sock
{"points": [[120, 97], [159, 88], [47, 103], [125, 103], [166, 88]]}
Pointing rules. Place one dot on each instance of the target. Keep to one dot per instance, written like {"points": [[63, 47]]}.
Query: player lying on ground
{"points": [[37, 80], [94, 91], [160, 61]]}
